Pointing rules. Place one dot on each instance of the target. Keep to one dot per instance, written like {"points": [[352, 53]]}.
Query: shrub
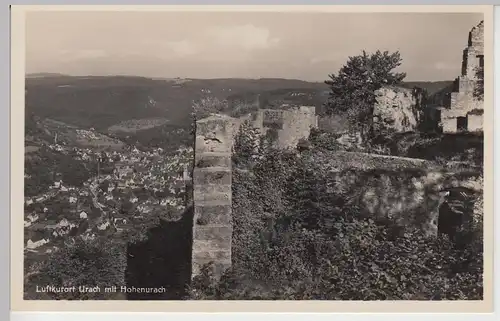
{"points": [[479, 88], [324, 139]]}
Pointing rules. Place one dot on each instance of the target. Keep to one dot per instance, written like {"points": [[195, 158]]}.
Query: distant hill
{"points": [[432, 87], [438, 91], [40, 131], [45, 75], [146, 111]]}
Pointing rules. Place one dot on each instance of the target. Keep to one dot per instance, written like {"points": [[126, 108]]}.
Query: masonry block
{"points": [[204, 257], [212, 160], [207, 176], [212, 189], [213, 214], [449, 125], [216, 197], [216, 233]]}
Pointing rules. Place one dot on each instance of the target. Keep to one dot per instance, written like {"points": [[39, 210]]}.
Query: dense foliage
{"points": [[352, 89], [479, 89], [294, 239], [86, 263]]}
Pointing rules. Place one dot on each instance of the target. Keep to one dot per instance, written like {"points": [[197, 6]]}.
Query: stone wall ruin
{"points": [[465, 108], [396, 109]]}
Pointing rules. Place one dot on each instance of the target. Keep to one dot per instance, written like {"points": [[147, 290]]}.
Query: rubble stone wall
{"points": [[463, 100]]}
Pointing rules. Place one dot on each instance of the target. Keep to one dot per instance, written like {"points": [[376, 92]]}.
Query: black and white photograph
{"points": [[254, 155]]}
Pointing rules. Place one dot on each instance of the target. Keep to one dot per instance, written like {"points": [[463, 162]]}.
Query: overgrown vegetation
{"points": [[352, 90], [294, 239], [479, 89], [83, 265]]}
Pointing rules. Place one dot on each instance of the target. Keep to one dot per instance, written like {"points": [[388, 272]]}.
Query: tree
{"points": [[352, 90], [246, 145], [92, 263]]}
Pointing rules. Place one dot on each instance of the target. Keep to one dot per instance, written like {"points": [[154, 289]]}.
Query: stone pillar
{"points": [[212, 224]]}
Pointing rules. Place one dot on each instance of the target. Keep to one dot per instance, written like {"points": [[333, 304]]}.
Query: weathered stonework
{"points": [[212, 228], [289, 125], [463, 112], [212, 225], [396, 110]]}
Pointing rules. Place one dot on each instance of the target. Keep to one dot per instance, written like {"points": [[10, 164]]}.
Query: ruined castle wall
{"points": [[212, 226], [449, 124], [297, 124], [475, 122], [290, 125], [395, 110], [463, 100]]}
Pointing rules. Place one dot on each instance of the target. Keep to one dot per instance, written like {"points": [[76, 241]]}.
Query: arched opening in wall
{"points": [[163, 260], [456, 212]]}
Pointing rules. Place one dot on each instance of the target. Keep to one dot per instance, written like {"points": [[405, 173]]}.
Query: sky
{"points": [[295, 45]]}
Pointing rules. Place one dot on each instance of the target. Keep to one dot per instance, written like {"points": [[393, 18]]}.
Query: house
{"points": [[83, 215], [103, 226], [73, 199], [33, 245], [122, 169], [32, 218]]}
